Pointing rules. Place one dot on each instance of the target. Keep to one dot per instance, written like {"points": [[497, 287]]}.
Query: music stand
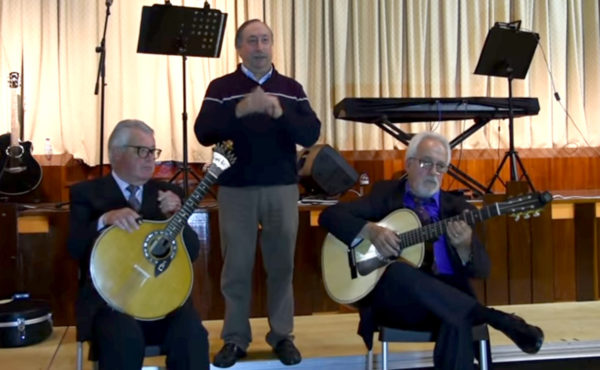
{"points": [[184, 31], [507, 52]]}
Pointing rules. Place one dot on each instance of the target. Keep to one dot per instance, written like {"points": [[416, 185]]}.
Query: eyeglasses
{"points": [[144, 151], [428, 164]]}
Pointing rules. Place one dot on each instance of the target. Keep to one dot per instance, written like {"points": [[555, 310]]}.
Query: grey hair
{"points": [[413, 145], [122, 133], [240, 31]]}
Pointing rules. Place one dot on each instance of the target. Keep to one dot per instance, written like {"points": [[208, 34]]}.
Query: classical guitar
{"points": [[349, 274], [148, 273], [20, 173]]}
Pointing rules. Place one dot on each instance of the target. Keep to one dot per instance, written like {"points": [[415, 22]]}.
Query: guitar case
{"points": [[24, 321]]}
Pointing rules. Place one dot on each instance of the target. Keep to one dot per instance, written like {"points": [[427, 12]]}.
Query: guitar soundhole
{"points": [[158, 248], [15, 151], [161, 249]]}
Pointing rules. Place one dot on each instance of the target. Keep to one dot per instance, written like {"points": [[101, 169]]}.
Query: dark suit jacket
{"points": [[90, 200], [345, 220]]}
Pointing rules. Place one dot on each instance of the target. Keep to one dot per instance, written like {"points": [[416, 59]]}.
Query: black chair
{"points": [[150, 351], [387, 335]]}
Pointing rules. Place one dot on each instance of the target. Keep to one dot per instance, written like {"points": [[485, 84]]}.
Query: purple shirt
{"points": [[432, 207]]}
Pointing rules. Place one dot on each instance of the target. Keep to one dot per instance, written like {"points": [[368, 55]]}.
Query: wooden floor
{"points": [[329, 341]]}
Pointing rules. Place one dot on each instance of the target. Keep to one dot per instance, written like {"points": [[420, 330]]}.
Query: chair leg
{"points": [[370, 359], [79, 355], [484, 356], [384, 355]]}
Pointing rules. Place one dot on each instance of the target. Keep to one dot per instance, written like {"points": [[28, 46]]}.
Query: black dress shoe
{"points": [[287, 352], [527, 337], [228, 355]]}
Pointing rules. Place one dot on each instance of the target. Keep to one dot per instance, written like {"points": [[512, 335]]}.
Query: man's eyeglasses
{"points": [[428, 164], [144, 151]]}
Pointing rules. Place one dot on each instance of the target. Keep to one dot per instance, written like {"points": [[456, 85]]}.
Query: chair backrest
{"points": [[386, 334]]}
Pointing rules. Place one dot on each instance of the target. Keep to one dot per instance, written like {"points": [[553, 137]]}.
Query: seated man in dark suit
{"points": [[436, 297], [111, 200]]}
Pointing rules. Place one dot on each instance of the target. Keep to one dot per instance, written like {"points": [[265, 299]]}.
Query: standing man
{"points": [[265, 114], [436, 297], [120, 199]]}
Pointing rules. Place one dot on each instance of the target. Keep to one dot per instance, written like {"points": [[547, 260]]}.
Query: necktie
{"points": [[429, 260], [133, 200], [422, 213]]}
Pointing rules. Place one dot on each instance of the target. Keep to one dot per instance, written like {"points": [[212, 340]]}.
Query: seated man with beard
{"points": [[437, 296]]}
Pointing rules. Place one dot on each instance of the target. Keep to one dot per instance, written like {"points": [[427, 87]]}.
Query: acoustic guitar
{"points": [[20, 173], [148, 273], [349, 274]]}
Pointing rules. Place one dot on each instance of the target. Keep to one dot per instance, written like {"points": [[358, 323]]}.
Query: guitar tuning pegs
{"points": [[536, 213], [517, 217], [527, 216]]}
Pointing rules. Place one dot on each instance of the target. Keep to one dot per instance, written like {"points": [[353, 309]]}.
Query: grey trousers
{"points": [[241, 211]]}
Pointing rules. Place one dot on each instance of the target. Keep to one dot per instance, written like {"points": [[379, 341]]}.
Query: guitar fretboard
{"points": [[15, 127], [434, 230], [179, 220]]}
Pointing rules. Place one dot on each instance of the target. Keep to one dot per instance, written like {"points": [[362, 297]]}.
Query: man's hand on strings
{"points": [[386, 241]]}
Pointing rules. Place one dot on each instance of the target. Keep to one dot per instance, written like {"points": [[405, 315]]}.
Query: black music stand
{"points": [[185, 31], [507, 52]]}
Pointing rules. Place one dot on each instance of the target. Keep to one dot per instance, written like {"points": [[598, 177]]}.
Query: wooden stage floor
{"points": [[329, 341]]}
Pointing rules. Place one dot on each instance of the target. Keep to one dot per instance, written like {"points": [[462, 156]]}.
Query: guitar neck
{"points": [[436, 229], [14, 120], [179, 220]]}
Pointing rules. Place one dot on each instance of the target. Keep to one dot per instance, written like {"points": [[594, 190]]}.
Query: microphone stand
{"points": [[100, 82]]}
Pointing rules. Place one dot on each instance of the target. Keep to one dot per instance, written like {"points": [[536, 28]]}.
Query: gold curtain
{"points": [[335, 48]]}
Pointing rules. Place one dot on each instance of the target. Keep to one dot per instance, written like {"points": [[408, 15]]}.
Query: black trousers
{"points": [[120, 339], [408, 298]]}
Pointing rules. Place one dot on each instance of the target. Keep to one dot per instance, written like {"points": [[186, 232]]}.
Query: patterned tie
{"points": [[133, 200], [425, 217], [422, 212]]}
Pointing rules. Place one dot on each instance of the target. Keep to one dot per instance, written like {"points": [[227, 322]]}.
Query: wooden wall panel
{"points": [[597, 246], [542, 257], [548, 169], [585, 251], [563, 236], [48, 271], [554, 265], [9, 265], [206, 292], [496, 242], [519, 253], [309, 290]]}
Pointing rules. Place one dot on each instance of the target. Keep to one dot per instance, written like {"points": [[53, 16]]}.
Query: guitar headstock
{"points": [[525, 206], [13, 80], [223, 156]]}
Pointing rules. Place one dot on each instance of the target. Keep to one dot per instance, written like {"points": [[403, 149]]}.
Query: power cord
{"points": [[557, 98]]}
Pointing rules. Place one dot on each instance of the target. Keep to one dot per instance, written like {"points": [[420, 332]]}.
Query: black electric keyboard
{"points": [[386, 112], [396, 110]]}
